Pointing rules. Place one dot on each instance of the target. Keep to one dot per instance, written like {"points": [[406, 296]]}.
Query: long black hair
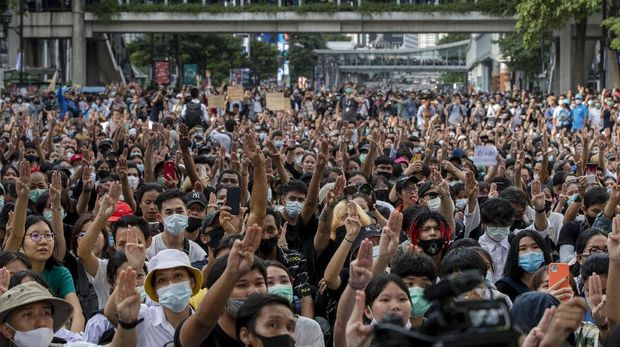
{"points": [[512, 268]]}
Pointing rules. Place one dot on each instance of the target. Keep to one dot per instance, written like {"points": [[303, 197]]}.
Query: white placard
{"points": [[485, 155]]}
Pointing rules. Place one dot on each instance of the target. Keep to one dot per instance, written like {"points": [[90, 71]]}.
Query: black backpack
{"points": [[86, 293], [193, 114]]}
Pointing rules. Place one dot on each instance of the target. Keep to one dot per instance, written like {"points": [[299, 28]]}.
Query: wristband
{"points": [[540, 211], [345, 238], [128, 326]]}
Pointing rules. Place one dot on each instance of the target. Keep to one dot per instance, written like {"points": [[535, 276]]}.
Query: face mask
{"points": [[488, 278], [460, 203], [548, 205], [277, 143], [47, 214], [532, 261], [103, 174], [498, 233], [160, 180], [32, 158], [34, 194], [266, 245], [283, 290], [609, 103], [140, 167], [269, 195], [348, 90], [1, 202], [363, 157], [142, 293], [175, 296], [41, 337], [215, 236], [381, 194], [262, 136], [133, 181], [572, 199], [434, 204], [293, 208], [298, 160], [431, 247], [233, 305], [375, 252], [175, 224], [419, 304], [578, 102], [193, 224], [276, 341]]}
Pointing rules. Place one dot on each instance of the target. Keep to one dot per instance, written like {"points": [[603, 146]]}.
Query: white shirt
{"points": [[308, 333], [195, 252], [155, 330], [203, 108], [498, 252], [100, 283], [95, 327]]}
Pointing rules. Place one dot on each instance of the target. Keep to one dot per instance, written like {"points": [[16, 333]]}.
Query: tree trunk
{"points": [[579, 57]]}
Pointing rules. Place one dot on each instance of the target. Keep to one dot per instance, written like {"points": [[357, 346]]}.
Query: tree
{"points": [[536, 17], [521, 58], [301, 56], [264, 59], [454, 37]]}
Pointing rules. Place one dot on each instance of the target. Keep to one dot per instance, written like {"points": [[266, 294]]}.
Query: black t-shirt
{"points": [[217, 338], [348, 109], [300, 237]]}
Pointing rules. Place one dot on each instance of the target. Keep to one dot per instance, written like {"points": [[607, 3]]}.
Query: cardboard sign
{"points": [[235, 93], [217, 101], [485, 155], [277, 102]]}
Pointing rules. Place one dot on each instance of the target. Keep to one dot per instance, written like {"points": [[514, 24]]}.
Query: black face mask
{"points": [[382, 194], [276, 341], [548, 205], [215, 236], [103, 174], [385, 174], [518, 225], [32, 158], [193, 224], [266, 246], [431, 247]]}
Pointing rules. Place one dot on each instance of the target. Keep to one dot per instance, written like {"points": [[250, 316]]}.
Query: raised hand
{"points": [[566, 320], [388, 243], [441, 186], [87, 180], [22, 184], [323, 154], [127, 297], [55, 189], [5, 278], [107, 203], [357, 333], [613, 241], [352, 223], [335, 193], [536, 335], [241, 256], [121, 165], [183, 136], [493, 191], [360, 272], [596, 300], [135, 252], [538, 197]]}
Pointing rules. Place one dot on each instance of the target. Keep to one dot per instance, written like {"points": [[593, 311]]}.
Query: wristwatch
{"points": [[128, 326]]}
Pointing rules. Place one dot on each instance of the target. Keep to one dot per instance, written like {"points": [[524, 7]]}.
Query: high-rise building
{"points": [[410, 41], [429, 40]]}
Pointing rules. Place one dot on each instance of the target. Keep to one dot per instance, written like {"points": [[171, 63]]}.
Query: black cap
{"points": [[425, 188], [196, 197], [401, 182]]}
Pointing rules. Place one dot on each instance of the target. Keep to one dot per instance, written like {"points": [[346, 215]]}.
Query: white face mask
{"points": [[434, 204], [41, 337], [133, 181]]}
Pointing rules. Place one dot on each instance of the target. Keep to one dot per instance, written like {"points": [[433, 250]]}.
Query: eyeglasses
{"points": [[595, 250], [362, 188], [37, 237], [410, 189], [431, 195]]}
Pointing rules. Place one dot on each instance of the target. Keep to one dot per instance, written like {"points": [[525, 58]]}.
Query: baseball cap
{"points": [[401, 182], [122, 209], [170, 259], [196, 197], [28, 293], [401, 160]]}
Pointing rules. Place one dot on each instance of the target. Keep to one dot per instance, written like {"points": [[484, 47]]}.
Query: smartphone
{"points": [[198, 131], [417, 157], [591, 169], [557, 273], [591, 179], [170, 173], [233, 199]]}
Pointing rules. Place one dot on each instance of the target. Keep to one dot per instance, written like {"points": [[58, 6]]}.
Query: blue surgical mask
{"points": [[572, 198], [419, 304], [34, 194], [175, 296], [176, 223], [47, 214], [531, 261], [277, 143], [140, 167], [460, 203], [363, 157], [293, 208], [498, 233]]}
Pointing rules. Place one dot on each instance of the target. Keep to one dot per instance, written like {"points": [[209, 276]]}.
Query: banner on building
{"points": [[189, 74], [162, 72]]}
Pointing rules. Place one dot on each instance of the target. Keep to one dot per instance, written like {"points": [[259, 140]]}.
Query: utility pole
{"points": [[21, 41]]}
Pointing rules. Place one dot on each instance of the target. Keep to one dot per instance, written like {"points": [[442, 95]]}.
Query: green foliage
{"points": [[613, 24], [520, 58], [450, 77], [454, 37], [301, 57], [215, 52], [107, 9], [539, 16]]}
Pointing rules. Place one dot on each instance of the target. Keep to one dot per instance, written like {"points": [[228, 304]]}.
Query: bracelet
{"points": [[56, 209], [540, 211], [345, 238], [128, 326]]}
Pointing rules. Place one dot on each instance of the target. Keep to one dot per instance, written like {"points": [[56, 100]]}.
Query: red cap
{"points": [[122, 209], [75, 157]]}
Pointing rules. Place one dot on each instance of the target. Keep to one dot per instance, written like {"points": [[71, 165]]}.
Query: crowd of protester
{"points": [[151, 218]]}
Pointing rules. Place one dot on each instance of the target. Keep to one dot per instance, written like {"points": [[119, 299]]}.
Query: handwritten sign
{"points": [[217, 101], [235, 93], [485, 155], [277, 102]]}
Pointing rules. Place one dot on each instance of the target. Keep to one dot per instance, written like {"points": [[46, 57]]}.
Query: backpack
{"points": [[86, 293], [193, 114]]}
